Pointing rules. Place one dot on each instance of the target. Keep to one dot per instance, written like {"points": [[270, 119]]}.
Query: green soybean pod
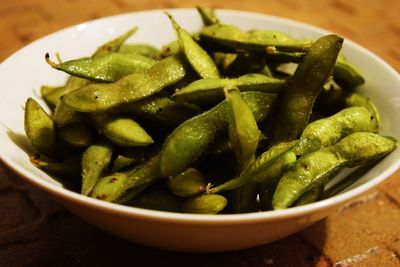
{"points": [[109, 67], [170, 49], [229, 38], [121, 130], [158, 199], [327, 131], [244, 199], [136, 86], [298, 98], [160, 108], [95, 160], [39, 128], [316, 168], [48, 93], [265, 169], [310, 196], [76, 134], [357, 99], [201, 62], [115, 185], [191, 139], [64, 115], [207, 15], [210, 91], [115, 44], [243, 130], [68, 168], [188, 183], [346, 75], [142, 49], [204, 204]]}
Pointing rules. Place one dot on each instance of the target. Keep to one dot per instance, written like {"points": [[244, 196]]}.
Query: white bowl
{"points": [[22, 74]]}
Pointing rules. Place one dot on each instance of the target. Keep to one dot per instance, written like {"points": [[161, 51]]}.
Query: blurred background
{"points": [[36, 231]]}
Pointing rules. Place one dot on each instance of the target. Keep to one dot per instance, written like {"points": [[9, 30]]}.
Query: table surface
{"points": [[36, 231]]}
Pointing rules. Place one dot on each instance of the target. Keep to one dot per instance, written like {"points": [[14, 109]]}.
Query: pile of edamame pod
{"points": [[217, 121]]}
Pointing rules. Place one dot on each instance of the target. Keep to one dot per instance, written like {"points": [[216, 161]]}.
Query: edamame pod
{"points": [[99, 97], [243, 130], [347, 75], [244, 199], [201, 62], [69, 168], [204, 204], [120, 130], [39, 128], [298, 98], [191, 139], [158, 199], [115, 44], [188, 183], [224, 37], [160, 108], [207, 15], [327, 131], [356, 99], [64, 115], [115, 185], [209, 91], [76, 134], [311, 196], [95, 159], [265, 169], [109, 67], [142, 49], [316, 168]]}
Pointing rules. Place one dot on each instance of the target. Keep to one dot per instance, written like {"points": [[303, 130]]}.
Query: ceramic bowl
{"points": [[22, 74]]}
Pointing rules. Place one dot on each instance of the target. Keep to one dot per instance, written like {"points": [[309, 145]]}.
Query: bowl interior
{"points": [[22, 74]]}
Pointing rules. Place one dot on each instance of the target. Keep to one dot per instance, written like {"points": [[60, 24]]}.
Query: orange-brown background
{"points": [[35, 231]]}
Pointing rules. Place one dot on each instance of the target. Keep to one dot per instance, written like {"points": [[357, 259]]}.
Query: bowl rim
{"points": [[174, 217]]}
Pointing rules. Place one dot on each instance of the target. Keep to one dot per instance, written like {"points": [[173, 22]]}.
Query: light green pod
{"points": [[243, 130], [311, 196], [49, 95], [142, 49], [206, 91], [198, 58], [129, 156], [120, 130], [64, 115], [76, 134], [99, 97], [109, 67], [39, 128], [69, 168], [170, 49], [357, 99], [346, 75], [327, 131], [115, 44], [231, 38], [160, 109], [204, 204], [192, 138], [316, 168], [207, 15], [267, 168], [95, 160], [113, 187], [188, 183]]}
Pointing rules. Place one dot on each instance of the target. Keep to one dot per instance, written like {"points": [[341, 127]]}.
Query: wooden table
{"points": [[36, 231]]}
